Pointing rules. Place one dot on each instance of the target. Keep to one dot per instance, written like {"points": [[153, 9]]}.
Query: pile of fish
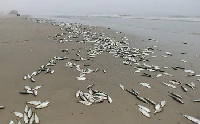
{"points": [[28, 116], [146, 111], [135, 57], [44, 68], [83, 72], [29, 90], [92, 96]]}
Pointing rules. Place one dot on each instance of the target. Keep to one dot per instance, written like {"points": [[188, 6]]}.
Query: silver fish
{"points": [[150, 101], [197, 100], [177, 99], [109, 99], [42, 105], [142, 99], [34, 102], [193, 119], [30, 113], [33, 80], [158, 110], [184, 88], [121, 86], [144, 108], [27, 87], [37, 120], [11, 122], [18, 114], [174, 94], [144, 112], [35, 92], [32, 119], [25, 77], [90, 86], [37, 87], [2, 107], [163, 103], [85, 102], [25, 118], [26, 109]]}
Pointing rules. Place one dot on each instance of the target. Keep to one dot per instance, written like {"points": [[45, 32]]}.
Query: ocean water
{"points": [[167, 29]]}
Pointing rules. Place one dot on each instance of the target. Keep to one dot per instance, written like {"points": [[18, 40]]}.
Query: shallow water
{"points": [[167, 29]]}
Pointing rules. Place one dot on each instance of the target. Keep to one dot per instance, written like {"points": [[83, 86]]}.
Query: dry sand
{"points": [[24, 47]]}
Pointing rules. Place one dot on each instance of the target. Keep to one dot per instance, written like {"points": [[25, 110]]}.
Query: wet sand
{"points": [[25, 47]]}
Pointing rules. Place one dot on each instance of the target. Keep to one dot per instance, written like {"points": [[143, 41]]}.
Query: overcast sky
{"points": [[98, 7]]}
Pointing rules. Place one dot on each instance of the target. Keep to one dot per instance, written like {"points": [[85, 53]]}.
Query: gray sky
{"points": [[97, 7]]}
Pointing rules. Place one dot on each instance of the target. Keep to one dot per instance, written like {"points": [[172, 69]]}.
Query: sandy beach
{"points": [[26, 45]]}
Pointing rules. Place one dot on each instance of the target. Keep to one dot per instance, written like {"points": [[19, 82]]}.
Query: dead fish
{"points": [[158, 110], [42, 105], [142, 99], [35, 92], [144, 108], [90, 86], [193, 119], [34, 102], [29, 76], [2, 107], [11, 122], [135, 91], [37, 87], [168, 53], [144, 112], [169, 85], [99, 101], [109, 99], [52, 71], [83, 97], [197, 100], [85, 102], [33, 80], [101, 94], [174, 94], [32, 119], [78, 93], [27, 87], [135, 94], [18, 114], [29, 113], [145, 85], [157, 106], [37, 120], [189, 71], [189, 85], [177, 99], [193, 84], [175, 82], [80, 78], [25, 77], [25, 118], [184, 88], [25, 92], [150, 101], [26, 109], [90, 91], [159, 75], [163, 103], [121, 86]]}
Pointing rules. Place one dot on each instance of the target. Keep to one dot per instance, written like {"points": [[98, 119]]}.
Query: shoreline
{"points": [[25, 47]]}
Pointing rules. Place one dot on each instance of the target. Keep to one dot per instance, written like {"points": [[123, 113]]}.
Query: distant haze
{"points": [[99, 7]]}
